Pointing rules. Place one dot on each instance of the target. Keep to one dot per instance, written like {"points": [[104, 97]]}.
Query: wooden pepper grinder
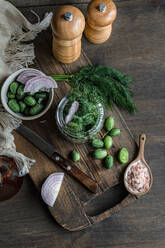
{"points": [[100, 16], [68, 24]]}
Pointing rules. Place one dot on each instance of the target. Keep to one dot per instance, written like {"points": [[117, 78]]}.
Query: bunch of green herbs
{"points": [[101, 84]]}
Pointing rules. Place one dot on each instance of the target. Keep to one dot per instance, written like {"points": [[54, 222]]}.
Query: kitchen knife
{"points": [[50, 151]]}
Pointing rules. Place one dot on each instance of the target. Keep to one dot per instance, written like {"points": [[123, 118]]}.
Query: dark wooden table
{"points": [[137, 47]]}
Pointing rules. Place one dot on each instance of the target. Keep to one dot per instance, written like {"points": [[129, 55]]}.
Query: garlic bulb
{"points": [[51, 188]]}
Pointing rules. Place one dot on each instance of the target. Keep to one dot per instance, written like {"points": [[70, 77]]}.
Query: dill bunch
{"points": [[102, 84]]}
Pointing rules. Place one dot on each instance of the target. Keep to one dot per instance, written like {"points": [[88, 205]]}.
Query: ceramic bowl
{"points": [[4, 98]]}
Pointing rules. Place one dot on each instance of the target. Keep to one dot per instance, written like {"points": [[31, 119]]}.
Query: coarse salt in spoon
{"points": [[138, 176]]}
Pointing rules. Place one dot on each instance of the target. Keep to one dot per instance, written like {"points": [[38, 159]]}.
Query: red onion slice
{"points": [[73, 109], [38, 83], [51, 188], [26, 75]]}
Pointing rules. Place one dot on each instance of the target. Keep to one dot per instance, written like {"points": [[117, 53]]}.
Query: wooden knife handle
{"points": [[73, 170]]}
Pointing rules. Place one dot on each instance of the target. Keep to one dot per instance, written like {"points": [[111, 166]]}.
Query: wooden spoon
{"points": [[140, 157]]}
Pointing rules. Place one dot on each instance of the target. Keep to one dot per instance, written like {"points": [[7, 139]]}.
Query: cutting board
{"points": [[69, 209]]}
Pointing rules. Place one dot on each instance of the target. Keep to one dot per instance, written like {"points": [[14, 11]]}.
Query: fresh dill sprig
{"points": [[102, 84]]}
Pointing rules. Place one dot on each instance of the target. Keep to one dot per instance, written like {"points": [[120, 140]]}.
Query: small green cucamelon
{"points": [[109, 162], [108, 142], [75, 156], [109, 123], [97, 143], [99, 153], [114, 132], [14, 106]]}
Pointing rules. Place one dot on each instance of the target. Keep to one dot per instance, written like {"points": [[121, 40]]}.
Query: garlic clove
{"points": [[51, 187]]}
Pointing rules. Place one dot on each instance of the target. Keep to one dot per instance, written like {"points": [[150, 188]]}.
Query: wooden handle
{"points": [[106, 214], [71, 169], [142, 140]]}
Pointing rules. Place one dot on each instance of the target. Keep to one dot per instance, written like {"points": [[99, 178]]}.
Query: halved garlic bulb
{"points": [[51, 188]]}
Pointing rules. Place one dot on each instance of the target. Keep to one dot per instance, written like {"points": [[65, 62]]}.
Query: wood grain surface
{"points": [[69, 209], [136, 47]]}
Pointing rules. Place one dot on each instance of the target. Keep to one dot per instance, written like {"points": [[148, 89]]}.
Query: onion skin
{"points": [[38, 83], [51, 187], [24, 76]]}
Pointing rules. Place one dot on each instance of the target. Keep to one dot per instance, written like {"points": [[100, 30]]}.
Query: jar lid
{"points": [[101, 12], [68, 22]]}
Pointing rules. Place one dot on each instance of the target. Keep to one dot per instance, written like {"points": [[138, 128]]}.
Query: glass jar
{"points": [[80, 137], [10, 182]]}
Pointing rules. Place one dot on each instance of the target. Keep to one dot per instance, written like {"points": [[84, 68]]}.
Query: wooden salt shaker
{"points": [[68, 24], [100, 16]]}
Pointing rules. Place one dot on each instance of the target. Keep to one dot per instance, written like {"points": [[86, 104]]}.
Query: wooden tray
{"points": [[69, 208]]}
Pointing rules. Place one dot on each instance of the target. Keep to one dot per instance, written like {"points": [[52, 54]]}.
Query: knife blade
{"points": [[36, 140], [51, 152]]}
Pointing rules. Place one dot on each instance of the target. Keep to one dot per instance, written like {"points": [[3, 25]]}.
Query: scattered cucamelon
{"points": [[97, 143], [123, 155], [114, 132], [109, 123], [27, 104], [108, 142], [109, 161], [75, 156], [99, 153]]}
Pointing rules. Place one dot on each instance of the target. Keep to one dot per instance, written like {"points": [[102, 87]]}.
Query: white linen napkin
{"points": [[15, 54]]}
